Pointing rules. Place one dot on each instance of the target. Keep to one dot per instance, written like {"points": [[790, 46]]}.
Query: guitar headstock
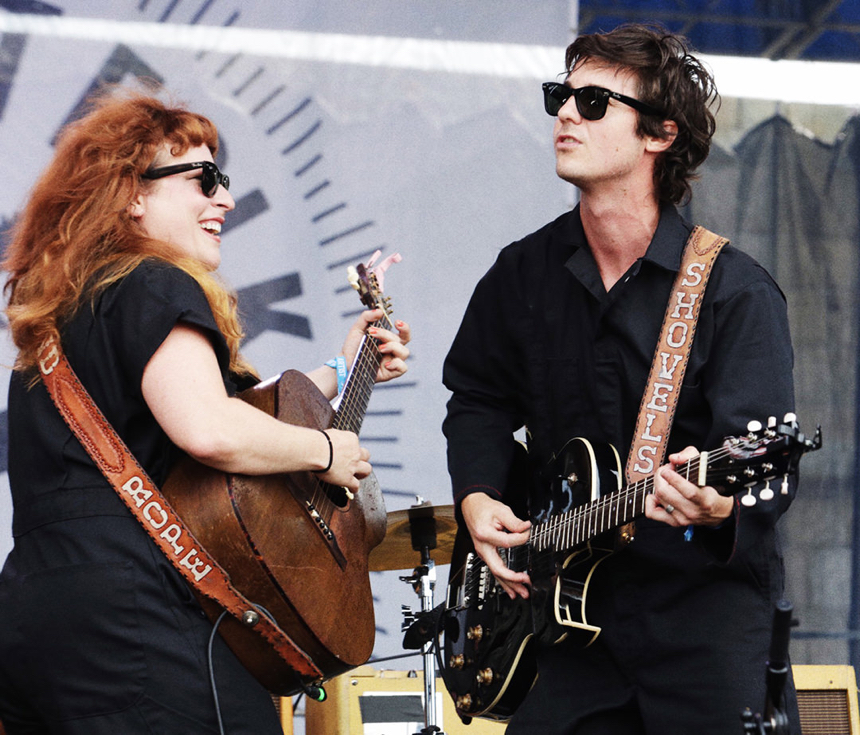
{"points": [[762, 455], [368, 281]]}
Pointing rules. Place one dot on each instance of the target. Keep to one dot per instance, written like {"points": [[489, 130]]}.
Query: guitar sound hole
{"points": [[337, 495]]}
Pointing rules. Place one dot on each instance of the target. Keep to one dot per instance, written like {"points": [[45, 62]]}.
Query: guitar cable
{"points": [[210, 662], [317, 693]]}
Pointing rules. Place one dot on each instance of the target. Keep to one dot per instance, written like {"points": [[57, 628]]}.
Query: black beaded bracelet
{"points": [[330, 453]]}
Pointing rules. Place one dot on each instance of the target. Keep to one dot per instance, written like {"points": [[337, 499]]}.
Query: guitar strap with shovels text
{"points": [[660, 399]]}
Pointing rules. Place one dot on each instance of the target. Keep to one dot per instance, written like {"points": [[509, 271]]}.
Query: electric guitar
{"points": [[488, 663]]}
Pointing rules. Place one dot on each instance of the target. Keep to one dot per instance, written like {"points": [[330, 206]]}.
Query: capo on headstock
{"points": [[369, 281]]}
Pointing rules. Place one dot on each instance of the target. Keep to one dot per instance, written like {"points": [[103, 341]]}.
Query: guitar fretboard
{"points": [[574, 527], [566, 531], [355, 397]]}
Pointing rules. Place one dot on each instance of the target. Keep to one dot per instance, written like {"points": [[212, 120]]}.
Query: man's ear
{"points": [[659, 145]]}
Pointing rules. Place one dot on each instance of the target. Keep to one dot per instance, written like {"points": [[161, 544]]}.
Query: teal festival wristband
{"points": [[339, 364]]}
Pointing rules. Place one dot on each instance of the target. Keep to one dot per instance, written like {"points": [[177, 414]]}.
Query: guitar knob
{"points": [[464, 702], [475, 633], [456, 661], [485, 677]]}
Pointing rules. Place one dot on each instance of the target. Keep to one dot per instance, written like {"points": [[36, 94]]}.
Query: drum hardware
{"points": [[426, 525]]}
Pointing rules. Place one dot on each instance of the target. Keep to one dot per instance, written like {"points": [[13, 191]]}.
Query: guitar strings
{"points": [[570, 527], [353, 405], [360, 382], [577, 525]]}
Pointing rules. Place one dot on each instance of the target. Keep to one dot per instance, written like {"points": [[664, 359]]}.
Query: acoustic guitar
{"points": [[295, 546], [488, 660]]}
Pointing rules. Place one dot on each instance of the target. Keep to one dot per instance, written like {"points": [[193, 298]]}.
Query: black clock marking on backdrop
{"points": [[12, 44], [30, 7], [257, 317]]}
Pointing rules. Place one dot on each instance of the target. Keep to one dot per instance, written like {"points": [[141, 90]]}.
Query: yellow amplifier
{"points": [[827, 698], [370, 702]]}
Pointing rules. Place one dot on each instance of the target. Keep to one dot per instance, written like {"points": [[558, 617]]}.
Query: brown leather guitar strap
{"points": [[151, 509], [660, 399]]}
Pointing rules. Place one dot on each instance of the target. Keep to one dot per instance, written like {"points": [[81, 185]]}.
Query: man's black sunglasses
{"points": [[591, 102], [210, 178]]}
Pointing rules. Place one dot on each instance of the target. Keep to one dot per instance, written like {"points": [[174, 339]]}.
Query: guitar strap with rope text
{"points": [[149, 506], [660, 399]]}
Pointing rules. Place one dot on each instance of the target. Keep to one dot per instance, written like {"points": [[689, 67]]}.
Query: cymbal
{"points": [[396, 552]]}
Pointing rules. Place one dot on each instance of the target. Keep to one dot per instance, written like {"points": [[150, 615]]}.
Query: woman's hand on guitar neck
{"points": [[391, 345], [493, 525]]}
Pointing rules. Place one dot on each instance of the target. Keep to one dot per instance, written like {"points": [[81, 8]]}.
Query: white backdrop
{"points": [[328, 161]]}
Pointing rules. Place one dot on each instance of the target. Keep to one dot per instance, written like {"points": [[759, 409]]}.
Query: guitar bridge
{"points": [[320, 521]]}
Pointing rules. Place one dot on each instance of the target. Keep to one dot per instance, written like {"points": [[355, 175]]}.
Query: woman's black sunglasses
{"points": [[210, 178], [591, 102]]}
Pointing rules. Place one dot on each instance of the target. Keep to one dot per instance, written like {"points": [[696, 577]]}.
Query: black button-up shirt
{"points": [[543, 345]]}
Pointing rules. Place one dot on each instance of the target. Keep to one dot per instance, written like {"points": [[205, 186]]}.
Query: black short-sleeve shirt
{"points": [[109, 343]]}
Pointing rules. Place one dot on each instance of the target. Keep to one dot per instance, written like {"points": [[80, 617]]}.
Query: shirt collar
{"points": [[667, 245], [665, 250]]}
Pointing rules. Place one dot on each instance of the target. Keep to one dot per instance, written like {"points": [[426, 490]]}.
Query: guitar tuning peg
{"points": [[352, 276], [783, 488], [771, 422], [749, 499], [754, 426], [766, 493], [791, 419]]}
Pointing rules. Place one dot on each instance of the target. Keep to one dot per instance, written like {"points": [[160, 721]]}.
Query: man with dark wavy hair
{"points": [[559, 338]]}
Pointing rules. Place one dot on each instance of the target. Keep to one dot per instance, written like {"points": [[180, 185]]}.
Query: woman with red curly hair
{"points": [[114, 255]]}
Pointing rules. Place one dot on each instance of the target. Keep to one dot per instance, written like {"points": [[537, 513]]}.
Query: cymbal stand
{"points": [[423, 581]]}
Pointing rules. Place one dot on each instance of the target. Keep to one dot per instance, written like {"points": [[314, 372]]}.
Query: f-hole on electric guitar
{"points": [[487, 659], [293, 545]]}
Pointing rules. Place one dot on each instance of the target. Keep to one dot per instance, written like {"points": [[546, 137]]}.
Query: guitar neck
{"points": [[578, 525], [353, 400], [735, 467]]}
